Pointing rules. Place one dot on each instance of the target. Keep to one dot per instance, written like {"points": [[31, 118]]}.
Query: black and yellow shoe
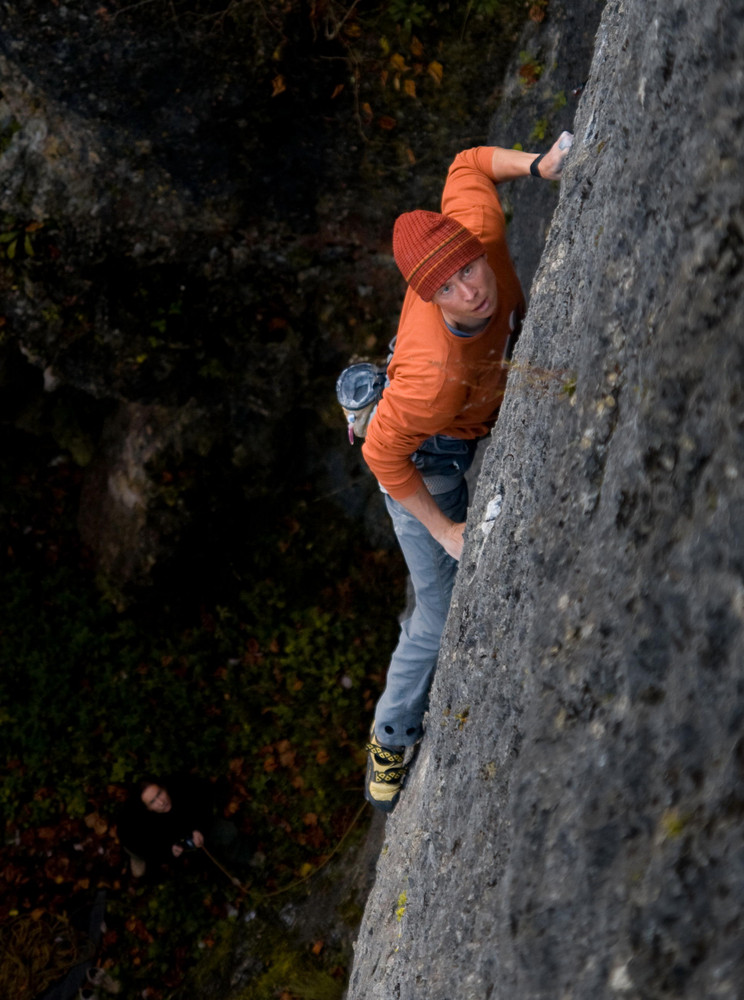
{"points": [[386, 773]]}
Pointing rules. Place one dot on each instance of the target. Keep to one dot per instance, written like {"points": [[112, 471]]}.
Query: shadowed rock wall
{"points": [[539, 100], [195, 230], [572, 826]]}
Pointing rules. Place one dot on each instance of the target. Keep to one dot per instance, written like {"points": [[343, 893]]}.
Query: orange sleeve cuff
{"points": [[398, 477]]}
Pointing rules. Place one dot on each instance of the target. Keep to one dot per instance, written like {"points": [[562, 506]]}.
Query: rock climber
{"points": [[460, 318]]}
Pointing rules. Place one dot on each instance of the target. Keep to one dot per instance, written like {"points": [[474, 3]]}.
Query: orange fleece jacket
{"points": [[441, 383]]}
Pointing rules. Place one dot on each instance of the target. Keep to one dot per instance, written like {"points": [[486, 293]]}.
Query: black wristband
{"points": [[534, 165]]}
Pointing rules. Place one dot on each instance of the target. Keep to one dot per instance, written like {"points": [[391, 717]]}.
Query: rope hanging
{"points": [[292, 885], [37, 950]]}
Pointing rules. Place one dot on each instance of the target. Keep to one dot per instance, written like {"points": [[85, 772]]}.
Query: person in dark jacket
{"points": [[163, 818]]}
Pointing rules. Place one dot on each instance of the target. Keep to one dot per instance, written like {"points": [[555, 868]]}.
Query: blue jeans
{"points": [[401, 708]]}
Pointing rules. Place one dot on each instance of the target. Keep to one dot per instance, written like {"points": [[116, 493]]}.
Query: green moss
{"points": [[539, 130], [462, 717], [70, 436], [351, 912], [51, 315], [273, 962], [674, 823], [530, 69], [288, 971], [7, 133], [569, 387]]}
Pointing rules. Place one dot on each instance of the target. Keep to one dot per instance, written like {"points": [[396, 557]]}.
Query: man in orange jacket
{"points": [[460, 318]]}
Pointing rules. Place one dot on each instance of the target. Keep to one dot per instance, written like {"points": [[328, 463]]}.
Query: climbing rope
{"points": [[305, 878], [37, 950], [292, 885]]}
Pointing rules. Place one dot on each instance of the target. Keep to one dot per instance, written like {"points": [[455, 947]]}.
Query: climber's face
{"points": [[468, 299], [156, 799]]}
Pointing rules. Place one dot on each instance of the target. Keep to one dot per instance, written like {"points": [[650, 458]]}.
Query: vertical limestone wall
{"points": [[573, 824]]}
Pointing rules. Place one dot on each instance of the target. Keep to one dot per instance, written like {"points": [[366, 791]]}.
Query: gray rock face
{"points": [[540, 96], [572, 826]]}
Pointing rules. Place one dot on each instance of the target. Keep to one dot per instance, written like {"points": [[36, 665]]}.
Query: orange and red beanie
{"points": [[429, 248]]}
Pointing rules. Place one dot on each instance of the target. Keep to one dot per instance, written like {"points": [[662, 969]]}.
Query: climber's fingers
{"points": [[552, 163]]}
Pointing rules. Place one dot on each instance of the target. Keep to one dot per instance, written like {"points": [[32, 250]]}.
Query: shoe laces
{"points": [[391, 776], [382, 755]]}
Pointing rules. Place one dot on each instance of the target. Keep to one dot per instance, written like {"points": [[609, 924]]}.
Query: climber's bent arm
{"points": [[424, 508]]}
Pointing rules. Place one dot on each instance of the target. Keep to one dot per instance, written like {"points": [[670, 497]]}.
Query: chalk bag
{"points": [[358, 390]]}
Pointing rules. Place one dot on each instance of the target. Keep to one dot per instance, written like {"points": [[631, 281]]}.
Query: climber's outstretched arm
{"points": [[509, 164]]}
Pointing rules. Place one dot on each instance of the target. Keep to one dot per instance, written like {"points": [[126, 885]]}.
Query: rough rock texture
{"points": [[540, 95], [572, 827], [119, 499]]}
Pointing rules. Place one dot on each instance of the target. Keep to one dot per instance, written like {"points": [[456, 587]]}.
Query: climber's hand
{"points": [[551, 165], [452, 540]]}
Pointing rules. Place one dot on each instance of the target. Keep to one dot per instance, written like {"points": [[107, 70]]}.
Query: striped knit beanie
{"points": [[429, 248]]}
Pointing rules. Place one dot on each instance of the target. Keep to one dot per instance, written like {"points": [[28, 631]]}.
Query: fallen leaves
{"points": [[95, 822], [538, 10], [530, 72], [436, 71], [402, 73]]}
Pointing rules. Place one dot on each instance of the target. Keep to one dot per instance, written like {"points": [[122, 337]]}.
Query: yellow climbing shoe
{"points": [[386, 773]]}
